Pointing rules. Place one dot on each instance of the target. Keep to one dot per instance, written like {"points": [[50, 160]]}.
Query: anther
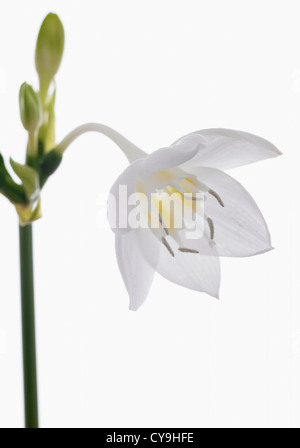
{"points": [[215, 195], [167, 245], [188, 251], [211, 228], [195, 198], [163, 224]]}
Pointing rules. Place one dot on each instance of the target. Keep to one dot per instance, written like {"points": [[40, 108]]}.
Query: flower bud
{"points": [[30, 109], [49, 50]]}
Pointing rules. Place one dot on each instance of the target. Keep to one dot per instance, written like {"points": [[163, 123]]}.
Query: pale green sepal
{"points": [[28, 214], [37, 212], [29, 178]]}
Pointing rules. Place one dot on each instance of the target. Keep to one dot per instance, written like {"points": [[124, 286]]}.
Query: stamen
{"points": [[188, 251], [211, 228], [195, 198], [167, 245], [163, 224], [215, 195]]}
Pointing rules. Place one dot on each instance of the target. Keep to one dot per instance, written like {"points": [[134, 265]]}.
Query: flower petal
{"points": [[170, 157], [193, 271], [136, 271], [118, 201], [239, 227], [225, 149]]}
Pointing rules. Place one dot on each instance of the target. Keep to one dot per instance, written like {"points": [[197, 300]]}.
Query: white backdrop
{"points": [[155, 70]]}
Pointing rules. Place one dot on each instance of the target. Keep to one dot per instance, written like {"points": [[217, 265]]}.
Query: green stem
{"points": [[32, 148], [28, 326]]}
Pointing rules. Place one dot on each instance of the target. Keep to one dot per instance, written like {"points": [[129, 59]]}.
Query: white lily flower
{"points": [[233, 224]]}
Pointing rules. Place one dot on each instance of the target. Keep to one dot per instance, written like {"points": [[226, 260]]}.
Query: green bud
{"points": [[30, 109], [49, 50]]}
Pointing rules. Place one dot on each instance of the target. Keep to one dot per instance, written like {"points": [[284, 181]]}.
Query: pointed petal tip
{"points": [[278, 153], [133, 307], [133, 304], [264, 251], [216, 296], [260, 252]]}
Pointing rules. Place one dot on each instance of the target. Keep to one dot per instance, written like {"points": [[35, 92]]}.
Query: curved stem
{"points": [[131, 151]]}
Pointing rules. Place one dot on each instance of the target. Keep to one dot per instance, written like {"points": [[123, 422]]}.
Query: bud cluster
{"points": [[38, 119]]}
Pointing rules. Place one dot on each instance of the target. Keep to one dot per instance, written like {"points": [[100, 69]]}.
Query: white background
{"points": [[155, 70]]}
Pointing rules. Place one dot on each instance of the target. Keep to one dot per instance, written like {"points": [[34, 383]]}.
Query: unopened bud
{"points": [[30, 109], [49, 50]]}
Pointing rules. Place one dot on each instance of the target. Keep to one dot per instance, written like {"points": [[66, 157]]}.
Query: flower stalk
{"points": [[32, 148], [28, 327], [131, 151]]}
